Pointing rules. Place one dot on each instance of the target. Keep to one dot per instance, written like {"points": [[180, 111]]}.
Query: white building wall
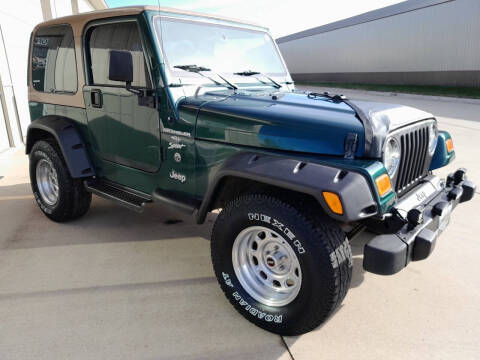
{"points": [[84, 6], [443, 37], [61, 8], [17, 19]]}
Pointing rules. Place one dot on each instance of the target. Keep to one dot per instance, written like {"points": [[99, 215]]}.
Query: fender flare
{"points": [[69, 141], [309, 178]]}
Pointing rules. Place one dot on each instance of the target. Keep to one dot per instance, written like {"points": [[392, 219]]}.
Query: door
{"points": [[123, 129]]}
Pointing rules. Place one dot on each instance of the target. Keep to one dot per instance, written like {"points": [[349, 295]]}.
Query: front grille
{"points": [[413, 162]]}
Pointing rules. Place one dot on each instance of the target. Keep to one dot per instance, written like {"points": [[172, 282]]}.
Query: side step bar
{"points": [[122, 196]]}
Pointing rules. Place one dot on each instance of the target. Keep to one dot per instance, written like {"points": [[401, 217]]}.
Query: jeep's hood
{"points": [[295, 121]]}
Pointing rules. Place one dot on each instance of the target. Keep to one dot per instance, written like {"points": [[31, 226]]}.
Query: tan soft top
{"points": [[79, 21]]}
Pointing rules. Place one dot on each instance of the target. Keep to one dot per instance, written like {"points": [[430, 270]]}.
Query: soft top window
{"points": [[54, 67], [116, 36]]}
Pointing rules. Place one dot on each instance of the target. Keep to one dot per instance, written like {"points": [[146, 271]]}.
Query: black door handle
{"points": [[96, 98]]}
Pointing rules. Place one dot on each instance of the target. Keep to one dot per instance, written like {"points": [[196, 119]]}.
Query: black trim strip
{"points": [[130, 163]]}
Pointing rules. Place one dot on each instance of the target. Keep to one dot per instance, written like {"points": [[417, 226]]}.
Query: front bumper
{"points": [[428, 206]]}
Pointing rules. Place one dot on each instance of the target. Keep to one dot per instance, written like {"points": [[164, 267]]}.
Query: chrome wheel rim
{"points": [[266, 266], [47, 182]]}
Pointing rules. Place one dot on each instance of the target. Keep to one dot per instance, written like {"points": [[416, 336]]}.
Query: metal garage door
{"points": [[4, 144]]}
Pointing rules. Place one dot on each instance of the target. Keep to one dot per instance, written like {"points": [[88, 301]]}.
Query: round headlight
{"points": [[391, 156], [432, 137]]}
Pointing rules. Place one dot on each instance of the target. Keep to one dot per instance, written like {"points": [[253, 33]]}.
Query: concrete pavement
{"points": [[112, 285], [121, 285]]}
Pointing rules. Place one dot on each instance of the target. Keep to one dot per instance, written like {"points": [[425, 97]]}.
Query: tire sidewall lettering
{"points": [[250, 309], [283, 229]]}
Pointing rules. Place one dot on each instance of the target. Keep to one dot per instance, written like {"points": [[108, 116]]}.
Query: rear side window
{"points": [[116, 36], [54, 67]]}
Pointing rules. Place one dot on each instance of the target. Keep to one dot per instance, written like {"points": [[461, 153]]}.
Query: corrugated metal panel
{"points": [[443, 37], [392, 10]]}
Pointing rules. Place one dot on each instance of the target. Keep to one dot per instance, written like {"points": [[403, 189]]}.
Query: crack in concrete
{"points": [[286, 346], [16, 296]]}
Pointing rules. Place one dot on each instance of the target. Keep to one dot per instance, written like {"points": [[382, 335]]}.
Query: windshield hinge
{"points": [[350, 145], [147, 98]]}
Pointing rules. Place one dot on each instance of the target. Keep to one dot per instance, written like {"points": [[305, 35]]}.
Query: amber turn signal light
{"points": [[449, 144], [384, 186], [333, 202]]}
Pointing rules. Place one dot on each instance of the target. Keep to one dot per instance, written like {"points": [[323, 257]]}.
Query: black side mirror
{"points": [[121, 66]]}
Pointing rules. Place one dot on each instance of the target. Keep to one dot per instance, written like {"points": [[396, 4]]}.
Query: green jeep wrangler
{"points": [[145, 105]]}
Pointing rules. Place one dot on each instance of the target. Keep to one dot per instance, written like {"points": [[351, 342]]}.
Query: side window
{"points": [[54, 67], [117, 36]]}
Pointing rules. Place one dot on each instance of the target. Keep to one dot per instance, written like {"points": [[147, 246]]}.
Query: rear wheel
{"points": [[59, 196], [281, 267]]}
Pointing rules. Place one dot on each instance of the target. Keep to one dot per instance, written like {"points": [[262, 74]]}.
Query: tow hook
{"points": [[414, 218], [462, 188], [439, 208]]}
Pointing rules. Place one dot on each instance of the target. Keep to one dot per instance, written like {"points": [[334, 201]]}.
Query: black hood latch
{"points": [[350, 145]]}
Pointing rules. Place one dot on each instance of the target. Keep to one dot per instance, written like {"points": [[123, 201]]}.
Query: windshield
{"points": [[223, 49]]}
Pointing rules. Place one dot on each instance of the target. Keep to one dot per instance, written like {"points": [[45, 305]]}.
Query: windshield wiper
{"points": [[247, 73], [192, 68], [253, 73], [199, 69]]}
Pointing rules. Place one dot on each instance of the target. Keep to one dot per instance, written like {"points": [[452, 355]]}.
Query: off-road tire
{"points": [[73, 199], [322, 249]]}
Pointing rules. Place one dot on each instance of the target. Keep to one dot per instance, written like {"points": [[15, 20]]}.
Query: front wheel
{"points": [[282, 268]]}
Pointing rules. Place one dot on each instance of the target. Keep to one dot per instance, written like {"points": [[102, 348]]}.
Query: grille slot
{"points": [[412, 168]]}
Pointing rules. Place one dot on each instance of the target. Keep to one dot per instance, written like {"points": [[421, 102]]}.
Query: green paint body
{"points": [[179, 145]]}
